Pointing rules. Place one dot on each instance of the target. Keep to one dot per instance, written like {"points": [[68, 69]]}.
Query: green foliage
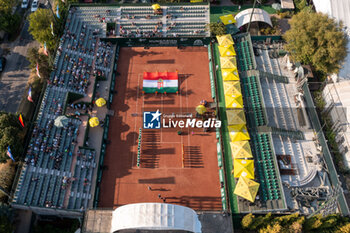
{"points": [[247, 221], [6, 215], [39, 27], [286, 14], [295, 223], [7, 173], [344, 229], [10, 135], [318, 40], [275, 228], [63, 12], [268, 31], [8, 22], [216, 29], [300, 5], [261, 221], [34, 57]]}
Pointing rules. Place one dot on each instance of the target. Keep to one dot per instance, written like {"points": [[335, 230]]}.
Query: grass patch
{"points": [[217, 11]]}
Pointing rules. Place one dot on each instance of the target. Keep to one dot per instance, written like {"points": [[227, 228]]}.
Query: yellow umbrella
{"points": [[230, 74], [155, 6], [243, 167], [100, 102], [233, 100], [228, 62], [241, 150], [93, 122], [235, 116], [227, 19], [227, 51], [238, 132], [246, 188], [225, 39], [201, 109], [232, 87]]}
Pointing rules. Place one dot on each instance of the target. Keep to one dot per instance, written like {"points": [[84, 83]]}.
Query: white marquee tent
{"points": [[259, 15], [155, 216]]}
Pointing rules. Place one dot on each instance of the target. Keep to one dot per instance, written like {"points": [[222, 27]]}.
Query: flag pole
{"points": [[251, 16]]}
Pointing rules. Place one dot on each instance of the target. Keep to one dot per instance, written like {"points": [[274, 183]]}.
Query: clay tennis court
{"points": [[194, 182]]}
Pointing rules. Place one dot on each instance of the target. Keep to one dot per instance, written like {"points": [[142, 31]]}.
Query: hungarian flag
{"points": [[21, 120], [8, 152], [57, 12], [37, 70], [45, 49], [161, 82], [51, 26], [30, 98]]}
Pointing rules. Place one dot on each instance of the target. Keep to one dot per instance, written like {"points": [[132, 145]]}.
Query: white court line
{"points": [[162, 108], [137, 100], [188, 135]]}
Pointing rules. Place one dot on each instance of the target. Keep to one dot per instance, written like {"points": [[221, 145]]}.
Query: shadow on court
{"points": [[165, 61], [203, 203], [165, 180], [193, 157]]}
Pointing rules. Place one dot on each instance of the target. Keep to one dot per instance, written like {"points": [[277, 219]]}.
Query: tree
{"points": [[272, 228], [11, 134], [7, 173], [40, 27], [247, 221], [316, 39], [8, 21], [216, 29], [344, 229], [34, 57], [6, 215]]}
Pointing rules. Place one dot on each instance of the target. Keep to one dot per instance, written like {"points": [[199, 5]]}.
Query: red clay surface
{"points": [[196, 185]]}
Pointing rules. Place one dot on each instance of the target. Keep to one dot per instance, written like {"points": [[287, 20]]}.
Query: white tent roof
{"points": [[259, 15], [338, 9], [155, 216]]}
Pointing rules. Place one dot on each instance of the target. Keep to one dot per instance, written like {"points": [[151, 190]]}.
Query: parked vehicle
{"points": [[34, 6], [25, 4]]}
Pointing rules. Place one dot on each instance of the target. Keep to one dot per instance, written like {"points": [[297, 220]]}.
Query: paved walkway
{"points": [[14, 78], [96, 133]]}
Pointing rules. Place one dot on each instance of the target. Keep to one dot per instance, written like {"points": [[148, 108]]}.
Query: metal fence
{"points": [[311, 109]]}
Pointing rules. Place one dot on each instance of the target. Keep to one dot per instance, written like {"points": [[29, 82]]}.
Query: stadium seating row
{"points": [[253, 100], [266, 167], [245, 57]]}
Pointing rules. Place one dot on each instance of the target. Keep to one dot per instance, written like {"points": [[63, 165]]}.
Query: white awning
{"points": [[155, 216], [259, 15]]}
